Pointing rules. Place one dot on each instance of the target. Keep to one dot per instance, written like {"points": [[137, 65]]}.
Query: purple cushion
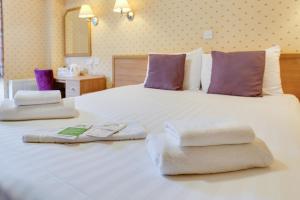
{"points": [[237, 73], [44, 79], [165, 71]]}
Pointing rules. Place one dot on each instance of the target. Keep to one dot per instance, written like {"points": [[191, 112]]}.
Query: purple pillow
{"points": [[237, 73], [165, 71], [44, 79]]}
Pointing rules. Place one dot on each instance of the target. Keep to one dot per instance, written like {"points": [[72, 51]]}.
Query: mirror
{"points": [[77, 35]]}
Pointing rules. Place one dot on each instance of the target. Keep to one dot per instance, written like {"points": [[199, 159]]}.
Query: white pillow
{"points": [[206, 71], [271, 82], [192, 74], [272, 79]]}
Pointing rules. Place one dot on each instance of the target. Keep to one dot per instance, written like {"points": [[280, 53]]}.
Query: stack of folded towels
{"points": [[207, 146], [35, 105]]}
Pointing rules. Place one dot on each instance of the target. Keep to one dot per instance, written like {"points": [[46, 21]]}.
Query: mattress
{"points": [[123, 170]]}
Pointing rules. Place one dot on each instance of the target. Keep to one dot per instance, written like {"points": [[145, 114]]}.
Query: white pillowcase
{"points": [[206, 71], [271, 82], [192, 74]]}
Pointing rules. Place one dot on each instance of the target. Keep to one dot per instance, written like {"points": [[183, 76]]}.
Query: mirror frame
{"points": [[89, 53]]}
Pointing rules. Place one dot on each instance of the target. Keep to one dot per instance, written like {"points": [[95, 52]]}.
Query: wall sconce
{"points": [[122, 6], [87, 13]]}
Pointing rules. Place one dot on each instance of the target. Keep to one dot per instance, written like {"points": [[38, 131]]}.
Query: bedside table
{"points": [[79, 85]]}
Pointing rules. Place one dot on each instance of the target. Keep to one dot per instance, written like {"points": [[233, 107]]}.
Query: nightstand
{"points": [[79, 85]]}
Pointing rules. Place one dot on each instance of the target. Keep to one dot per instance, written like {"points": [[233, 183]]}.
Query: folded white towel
{"points": [[174, 160], [133, 131], [10, 112], [206, 132], [25, 98]]}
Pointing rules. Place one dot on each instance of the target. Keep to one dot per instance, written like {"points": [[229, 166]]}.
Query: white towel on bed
{"points": [[10, 112], [206, 132], [25, 98], [133, 131], [174, 160]]}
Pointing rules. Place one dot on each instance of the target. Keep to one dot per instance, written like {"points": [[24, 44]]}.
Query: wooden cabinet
{"points": [[76, 86]]}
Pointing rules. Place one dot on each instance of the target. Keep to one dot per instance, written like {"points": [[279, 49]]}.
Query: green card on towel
{"points": [[73, 131]]}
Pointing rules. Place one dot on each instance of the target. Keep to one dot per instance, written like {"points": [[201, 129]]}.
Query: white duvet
{"points": [[123, 170]]}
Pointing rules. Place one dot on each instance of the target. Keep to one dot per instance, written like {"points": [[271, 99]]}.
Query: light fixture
{"points": [[122, 6], [87, 13]]}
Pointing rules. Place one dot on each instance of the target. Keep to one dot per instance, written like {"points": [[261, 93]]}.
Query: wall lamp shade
{"points": [[86, 12], [123, 7]]}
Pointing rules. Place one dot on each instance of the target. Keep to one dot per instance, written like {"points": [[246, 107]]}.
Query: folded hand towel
{"points": [[133, 131], [206, 132], [174, 160], [10, 112], [25, 98]]}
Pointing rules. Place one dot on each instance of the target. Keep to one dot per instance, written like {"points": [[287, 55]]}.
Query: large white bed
{"points": [[123, 170]]}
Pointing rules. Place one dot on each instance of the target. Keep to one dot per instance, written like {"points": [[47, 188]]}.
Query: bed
{"points": [[123, 170]]}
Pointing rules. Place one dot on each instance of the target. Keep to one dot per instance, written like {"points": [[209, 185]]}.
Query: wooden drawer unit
{"points": [[76, 86]]}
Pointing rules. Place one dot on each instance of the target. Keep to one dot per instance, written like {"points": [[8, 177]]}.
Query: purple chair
{"points": [[44, 79]]}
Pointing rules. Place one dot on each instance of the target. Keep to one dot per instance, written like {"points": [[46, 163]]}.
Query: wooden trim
{"points": [[85, 77], [130, 56], [89, 53], [290, 55], [78, 55]]}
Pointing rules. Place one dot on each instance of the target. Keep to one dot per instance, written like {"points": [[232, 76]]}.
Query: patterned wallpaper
{"points": [[24, 37], [33, 36], [55, 11], [178, 25]]}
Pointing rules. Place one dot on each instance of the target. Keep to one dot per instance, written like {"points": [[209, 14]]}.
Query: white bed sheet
{"points": [[123, 170]]}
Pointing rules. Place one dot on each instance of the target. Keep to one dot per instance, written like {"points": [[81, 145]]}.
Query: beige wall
{"points": [[33, 31], [33, 36], [24, 37], [177, 25], [55, 10]]}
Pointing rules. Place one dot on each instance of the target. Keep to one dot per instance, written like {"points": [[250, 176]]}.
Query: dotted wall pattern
{"points": [[177, 26], [55, 33], [33, 36], [24, 37], [33, 39]]}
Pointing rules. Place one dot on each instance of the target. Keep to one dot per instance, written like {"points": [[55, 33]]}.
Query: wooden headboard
{"points": [[290, 73], [130, 70]]}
